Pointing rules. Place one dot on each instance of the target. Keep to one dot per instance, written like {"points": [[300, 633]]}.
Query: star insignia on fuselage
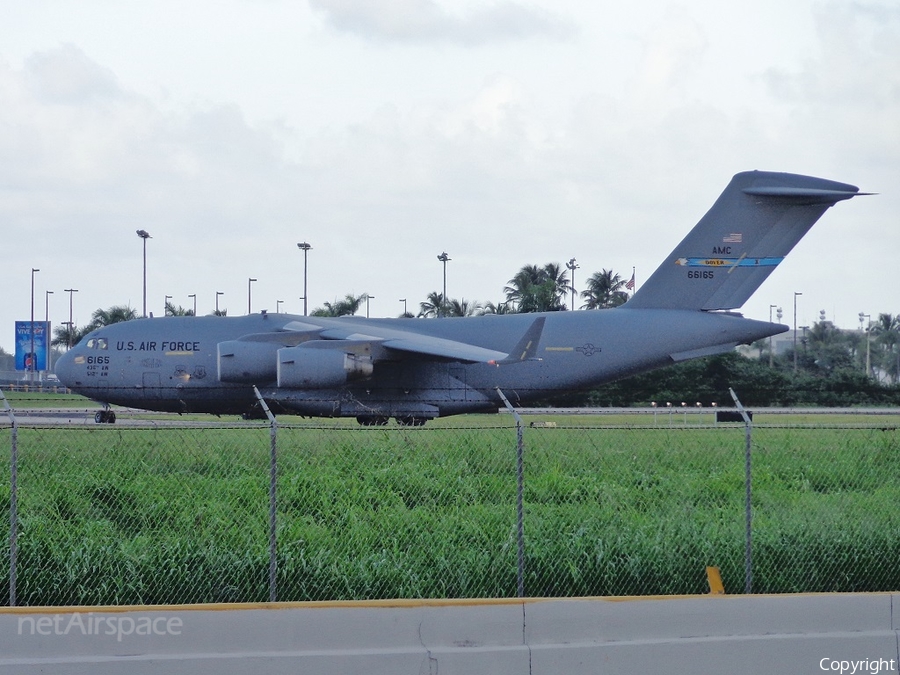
{"points": [[588, 349]]}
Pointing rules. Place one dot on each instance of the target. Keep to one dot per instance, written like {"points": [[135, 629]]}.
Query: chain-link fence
{"points": [[155, 512]]}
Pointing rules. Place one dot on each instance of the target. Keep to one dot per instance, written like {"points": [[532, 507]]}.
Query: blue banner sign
{"points": [[25, 359]]}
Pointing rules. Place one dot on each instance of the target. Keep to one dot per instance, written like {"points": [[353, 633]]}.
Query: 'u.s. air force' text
{"points": [[153, 346]]}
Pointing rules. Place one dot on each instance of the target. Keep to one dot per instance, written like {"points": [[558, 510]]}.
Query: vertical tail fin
{"points": [[752, 226]]}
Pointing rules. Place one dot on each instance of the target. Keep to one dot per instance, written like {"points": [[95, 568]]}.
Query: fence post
{"points": [[273, 475], [748, 557], [13, 499], [520, 485]]}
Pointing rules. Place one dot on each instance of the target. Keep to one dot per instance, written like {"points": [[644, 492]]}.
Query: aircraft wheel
{"points": [[99, 417], [110, 417], [372, 420], [411, 421]]}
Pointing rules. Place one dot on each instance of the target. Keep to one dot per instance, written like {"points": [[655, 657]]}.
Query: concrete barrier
{"points": [[852, 633]]}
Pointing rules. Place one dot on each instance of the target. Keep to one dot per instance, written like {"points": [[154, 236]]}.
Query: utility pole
{"points": [[71, 327], [444, 258], [32, 358], [795, 329], [305, 247], [143, 234], [572, 266]]}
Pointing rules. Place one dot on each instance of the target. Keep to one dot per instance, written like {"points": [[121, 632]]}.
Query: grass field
{"points": [[115, 515]]}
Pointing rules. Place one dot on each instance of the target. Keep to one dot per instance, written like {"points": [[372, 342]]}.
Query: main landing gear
{"points": [[105, 416], [381, 420], [372, 420], [411, 421]]}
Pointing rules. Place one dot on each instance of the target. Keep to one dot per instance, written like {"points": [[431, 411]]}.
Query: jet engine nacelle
{"points": [[306, 368], [247, 362]]}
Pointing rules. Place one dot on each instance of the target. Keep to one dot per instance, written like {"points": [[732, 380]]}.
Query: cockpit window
{"points": [[97, 343]]}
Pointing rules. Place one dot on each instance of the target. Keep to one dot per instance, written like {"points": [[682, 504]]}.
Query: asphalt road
{"points": [[142, 418]]}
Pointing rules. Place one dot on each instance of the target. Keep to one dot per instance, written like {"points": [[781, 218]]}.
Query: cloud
{"points": [[860, 49], [416, 21], [672, 52], [66, 75], [86, 162], [846, 95]]}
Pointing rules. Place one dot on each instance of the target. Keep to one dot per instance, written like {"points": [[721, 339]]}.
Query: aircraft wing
{"points": [[429, 345], [447, 349], [415, 343]]}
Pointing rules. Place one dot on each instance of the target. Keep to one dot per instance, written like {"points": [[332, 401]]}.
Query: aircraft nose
{"points": [[65, 368]]}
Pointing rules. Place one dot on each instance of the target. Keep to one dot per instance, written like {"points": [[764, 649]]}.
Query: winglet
{"points": [[526, 347]]}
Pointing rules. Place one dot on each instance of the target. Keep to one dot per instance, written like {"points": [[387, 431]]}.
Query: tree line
{"points": [[534, 288], [831, 367]]}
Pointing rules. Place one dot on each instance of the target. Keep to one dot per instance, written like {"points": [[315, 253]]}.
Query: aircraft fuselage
{"points": [[173, 363]]}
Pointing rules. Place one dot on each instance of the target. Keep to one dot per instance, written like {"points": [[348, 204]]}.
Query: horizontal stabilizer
{"points": [[806, 195], [703, 351], [746, 234]]}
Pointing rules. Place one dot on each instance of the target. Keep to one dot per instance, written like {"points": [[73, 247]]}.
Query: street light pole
{"points": [[69, 335], [143, 234], [218, 293], [403, 300], [305, 247], [368, 297], [32, 358], [572, 266], [795, 329], [249, 281], [194, 296], [862, 316], [444, 258], [47, 295], [771, 355]]}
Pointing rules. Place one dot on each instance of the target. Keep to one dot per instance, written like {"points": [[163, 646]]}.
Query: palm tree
{"points": [[70, 335], [560, 277], [172, 310], [604, 290], [462, 308], [65, 335], [433, 306], [519, 288], [499, 308], [886, 331], [347, 307], [115, 314], [538, 289], [827, 347]]}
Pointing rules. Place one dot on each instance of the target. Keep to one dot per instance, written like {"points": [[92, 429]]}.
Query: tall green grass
{"points": [[111, 515]]}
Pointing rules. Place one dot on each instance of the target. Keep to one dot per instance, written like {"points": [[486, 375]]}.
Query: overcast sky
{"points": [[385, 132]]}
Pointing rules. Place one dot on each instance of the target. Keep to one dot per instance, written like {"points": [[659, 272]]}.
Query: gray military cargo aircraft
{"points": [[417, 369]]}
